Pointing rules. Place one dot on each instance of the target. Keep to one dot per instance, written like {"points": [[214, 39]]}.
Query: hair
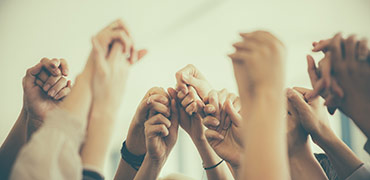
{"points": [[327, 166]]}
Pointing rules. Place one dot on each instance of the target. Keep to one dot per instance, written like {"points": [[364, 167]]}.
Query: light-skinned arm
{"points": [[224, 131], [259, 71], [314, 121], [191, 121], [110, 63], [303, 164]]}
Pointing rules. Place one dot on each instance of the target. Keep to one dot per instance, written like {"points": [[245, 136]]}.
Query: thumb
{"points": [[235, 117], [30, 79], [191, 80], [213, 135], [174, 117], [297, 100]]}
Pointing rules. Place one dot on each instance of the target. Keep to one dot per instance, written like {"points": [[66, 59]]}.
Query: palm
{"points": [[315, 117], [191, 124], [228, 147], [160, 147]]}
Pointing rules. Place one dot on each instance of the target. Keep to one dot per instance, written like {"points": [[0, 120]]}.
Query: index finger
{"points": [[51, 66], [312, 70], [321, 45], [64, 67]]}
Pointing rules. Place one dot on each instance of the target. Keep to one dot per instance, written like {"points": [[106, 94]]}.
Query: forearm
{"points": [[135, 141], [81, 91], [210, 158], [344, 161], [56, 144], [265, 137], [125, 171], [150, 169], [99, 133], [135, 144], [12, 145], [303, 165]]}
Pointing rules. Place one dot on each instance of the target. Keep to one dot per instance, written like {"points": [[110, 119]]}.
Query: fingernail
{"points": [[52, 92], [57, 71], [211, 109], [57, 97], [46, 87], [216, 123], [191, 110], [148, 101], [65, 72], [221, 136]]}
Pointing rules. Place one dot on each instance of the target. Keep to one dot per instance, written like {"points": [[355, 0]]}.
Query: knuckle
{"points": [[190, 66], [119, 20], [159, 116], [28, 71], [224, 90], [178, 74], [44, 59], [62, 93]]}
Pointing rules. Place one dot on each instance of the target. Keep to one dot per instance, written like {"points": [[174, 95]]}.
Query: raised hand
{"points": [[224, 126], [312, 117], [323, 84], [191, 76], [349, 66], [161, 133], [259, 71], [37, 101], [190, 114], [156, 101], [311, 114], [111, 49], [303, 164], [160, 137], [258, 63], [110, 59]]}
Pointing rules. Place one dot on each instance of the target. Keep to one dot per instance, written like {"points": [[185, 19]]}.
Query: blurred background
{"points": [[176, 33]]}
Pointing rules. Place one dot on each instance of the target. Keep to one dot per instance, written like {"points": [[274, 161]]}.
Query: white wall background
{"points": [[176, 33]]}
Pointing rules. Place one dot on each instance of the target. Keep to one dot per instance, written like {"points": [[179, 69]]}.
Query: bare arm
{"points": [[258, 67], [12, 145], [313, 118], [344, 161]]}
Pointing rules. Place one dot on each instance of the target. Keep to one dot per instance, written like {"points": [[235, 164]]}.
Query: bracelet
{"points": [[133, 160], [208, 168]]}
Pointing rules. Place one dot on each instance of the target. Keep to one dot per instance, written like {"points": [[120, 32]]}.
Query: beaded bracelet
{"points": [[208, 168]]}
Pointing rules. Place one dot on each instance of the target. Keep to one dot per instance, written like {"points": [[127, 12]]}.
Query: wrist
{"points": [[154, 160], [323, 136], [199, 141], [262, 92], [135, 141], [101, 111], [234, 168]]}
